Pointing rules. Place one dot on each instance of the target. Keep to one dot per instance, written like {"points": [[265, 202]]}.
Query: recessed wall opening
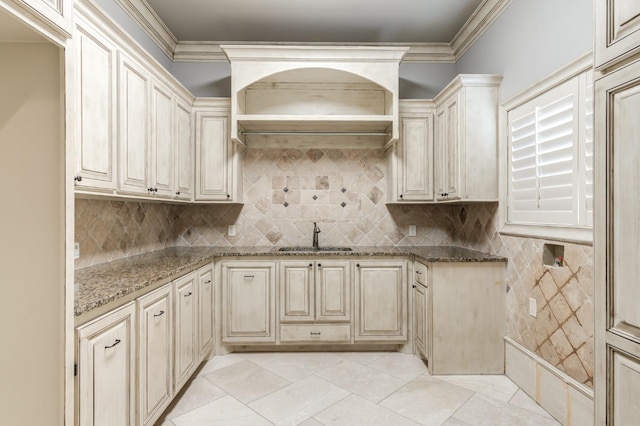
{"points": [[553, 255]]}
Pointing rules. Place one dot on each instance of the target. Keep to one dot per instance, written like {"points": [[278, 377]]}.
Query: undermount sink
{"points": [[318, 249]]}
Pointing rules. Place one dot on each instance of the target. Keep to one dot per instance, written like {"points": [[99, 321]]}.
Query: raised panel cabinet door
{"points": [[617, 30], [133, 136], [440, 152], [625, 388], [248, 302], [381, 301], [96, 131], [155, 348], [416, 135], [162, 148], [57, 12], [420, 318], [214, 150], [297, 291], [106, 369], [185, 328], [333, 290], [183, 163], [205, 309]]}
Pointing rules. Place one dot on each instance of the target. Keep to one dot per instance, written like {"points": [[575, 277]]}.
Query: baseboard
{"points": [[570, 402]]}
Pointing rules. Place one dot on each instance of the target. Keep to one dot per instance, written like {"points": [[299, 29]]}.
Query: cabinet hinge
{"points": [[75, 370]]}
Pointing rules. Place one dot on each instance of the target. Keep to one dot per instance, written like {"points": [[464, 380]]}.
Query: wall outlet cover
{"points": [[231, 232], [76, 250], [412, 230], [533, 307]]}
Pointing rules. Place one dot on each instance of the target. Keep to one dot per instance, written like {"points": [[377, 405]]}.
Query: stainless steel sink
{"points": [[314, 249]]}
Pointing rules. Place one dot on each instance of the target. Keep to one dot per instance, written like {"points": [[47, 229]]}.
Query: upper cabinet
{"points": [[617, 31], [466, 139], [52, 18], [325, 91], [185, 151]]}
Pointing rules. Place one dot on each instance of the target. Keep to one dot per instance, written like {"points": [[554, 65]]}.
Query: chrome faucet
{"points": [[316, 231]]}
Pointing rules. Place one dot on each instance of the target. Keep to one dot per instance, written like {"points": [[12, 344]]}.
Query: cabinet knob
{"points": [[357, 265], [149, 189], [319, 265], [414, 286], [228, 196], [418, 272], [207, 282], [310, 265], [177, 192], [77, 178], [155, 189], [111, 346], [401, 195]]}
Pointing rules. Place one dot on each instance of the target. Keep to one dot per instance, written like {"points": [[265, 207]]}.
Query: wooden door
{"points": [[155, 347], [214, 153], [381, 301], [420, 319], [185, 328], [133, 116], [248, 302], [333, 290], [106, 368], [184, 154], [297, 291], [162, 142], [205, 309], [416, 154], [95, 90]]}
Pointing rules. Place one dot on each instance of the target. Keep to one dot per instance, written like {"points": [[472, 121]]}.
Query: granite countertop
{"points": [[102, 284]]}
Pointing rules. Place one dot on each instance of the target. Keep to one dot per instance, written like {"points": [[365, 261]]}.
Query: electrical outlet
{"points": [[231, 232], [412, 230], [533, 307], [76, 250]]}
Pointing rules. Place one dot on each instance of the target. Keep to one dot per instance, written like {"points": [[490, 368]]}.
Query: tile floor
{"points": [[345, 388]]}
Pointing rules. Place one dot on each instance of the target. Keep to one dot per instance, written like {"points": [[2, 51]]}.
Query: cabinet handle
{"points": [[188, 294], [418, 272], [414, 286], [160, 314], [77, 178], [315, 333], [111, 346], [149, 189], [246, 277], [207, 282]]}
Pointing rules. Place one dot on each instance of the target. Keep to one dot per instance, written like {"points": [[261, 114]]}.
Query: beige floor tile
{"points": [[362, 380], [427, 401], [403, 366], [218, 362], [455, 422], [522, 400], [299, 401], [483, 411], [363, 357], [297, 366], [197, 393], [493, 386], [356, 411], [226, 411], [311, 422], [246, 381]]}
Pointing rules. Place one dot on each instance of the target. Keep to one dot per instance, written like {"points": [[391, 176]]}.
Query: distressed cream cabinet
{"points": [[248, 301], [205, 310], [186, 323], [617, 31], [315, 301], [466, 139], [421, 310], [107, 365], [185, 151], [381, 300], [57, 14]]}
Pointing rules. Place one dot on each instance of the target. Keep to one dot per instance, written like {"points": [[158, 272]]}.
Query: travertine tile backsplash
{"points": [[286, 190]]}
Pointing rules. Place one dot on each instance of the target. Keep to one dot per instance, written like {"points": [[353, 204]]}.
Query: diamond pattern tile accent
{"points": [[343, 204]]}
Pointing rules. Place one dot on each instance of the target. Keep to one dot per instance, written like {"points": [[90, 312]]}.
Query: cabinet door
{"points": [[96, 103], [183, 164], [133, 115], [617, 30], [448, 149], [106, 369], [185, 328], [161, 147], [205, 310], [155, 383], [440, 152], [297, 291], [420, 319], [214, 155], [333, 291], [248, 302], [625, 386], [381, 300], [56, 12], [416, 146]]}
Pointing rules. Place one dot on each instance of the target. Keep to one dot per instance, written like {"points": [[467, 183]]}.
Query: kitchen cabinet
{"points": [[381, 300], [466, 317], [56, 13], [186, 323], [316, 291], [466, 139], [218, 159], [95, 123], [106, 369], [617, 31], [184, 151], [205, 310], [411, 158], [155, 348], [248, 302], [161, 149], [421, 310]]}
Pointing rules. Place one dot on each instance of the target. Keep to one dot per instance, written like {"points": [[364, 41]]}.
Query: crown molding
{"points": [[210, 51]]}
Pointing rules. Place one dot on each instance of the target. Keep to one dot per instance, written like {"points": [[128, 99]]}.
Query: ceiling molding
{"points": [[209, 51]]}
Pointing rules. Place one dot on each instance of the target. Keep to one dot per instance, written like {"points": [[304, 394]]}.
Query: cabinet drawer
{"points": [[316, 333], [420, 273]]}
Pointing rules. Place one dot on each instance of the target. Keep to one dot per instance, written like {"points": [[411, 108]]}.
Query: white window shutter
{"points": [[587, 155]]}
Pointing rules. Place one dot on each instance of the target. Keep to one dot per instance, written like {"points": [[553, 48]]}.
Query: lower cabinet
{"points": [[421, 310], [381, 300], [106, 376], [205, 310], [186, 324]]}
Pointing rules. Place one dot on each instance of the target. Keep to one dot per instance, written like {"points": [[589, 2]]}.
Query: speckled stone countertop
{"points": [[102, 284]]}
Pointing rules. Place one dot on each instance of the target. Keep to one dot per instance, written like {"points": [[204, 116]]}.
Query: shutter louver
{"points": [[588, 153]]}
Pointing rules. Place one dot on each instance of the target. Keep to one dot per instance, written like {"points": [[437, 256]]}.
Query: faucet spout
{"points": [[316, 231]]}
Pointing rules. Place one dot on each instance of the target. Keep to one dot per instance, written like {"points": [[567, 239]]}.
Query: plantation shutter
{"points": [[588, 152]]}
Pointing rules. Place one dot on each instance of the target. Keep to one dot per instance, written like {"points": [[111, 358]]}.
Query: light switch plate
{"points": [[412, 230], [533, 307], [231, 232], [76, 250]]}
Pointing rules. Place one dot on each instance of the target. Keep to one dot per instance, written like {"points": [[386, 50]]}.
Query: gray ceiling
{"points": [[329, 21]]}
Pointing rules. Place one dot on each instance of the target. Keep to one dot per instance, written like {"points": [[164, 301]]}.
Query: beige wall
{"points": [[32, 252]]}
